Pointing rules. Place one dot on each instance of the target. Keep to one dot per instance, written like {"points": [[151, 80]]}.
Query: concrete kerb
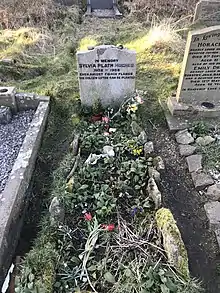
{"points": [[16, 190]]}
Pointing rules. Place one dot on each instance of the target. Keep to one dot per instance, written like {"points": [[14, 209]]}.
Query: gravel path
{"points": [[11, 139]]}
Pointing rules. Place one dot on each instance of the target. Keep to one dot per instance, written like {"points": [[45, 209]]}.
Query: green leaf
{"points": [[128, 273], [31, 277], [171, 285], [30, 285], [109, 277], [164, 289], [57, 285], [92, 268], [83, 187], [148, 284]]}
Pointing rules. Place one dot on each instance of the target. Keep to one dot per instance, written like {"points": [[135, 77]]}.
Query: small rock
{"points": [[213, 192], [184, 137], [108, 150], [194, 163], [204, 141], [142, 138], [56, 211], [217, 234], [154, 193], [159, 163], [5, 115], [74, 146], [186, 150], [148, 148], [154, 174], [136, 129], [172, 241], [201, 180], [213, 214]]}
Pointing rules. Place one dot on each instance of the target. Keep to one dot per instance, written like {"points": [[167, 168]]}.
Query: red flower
{"points": [[109, 227], [88, 217], [105, 119]]}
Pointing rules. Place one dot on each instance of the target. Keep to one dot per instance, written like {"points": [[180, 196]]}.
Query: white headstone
{"points": [[200, 77], [106, 73], [208, 12]]}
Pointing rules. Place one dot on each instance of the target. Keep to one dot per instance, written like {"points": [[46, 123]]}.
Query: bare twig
{"points": [[74, 166]]}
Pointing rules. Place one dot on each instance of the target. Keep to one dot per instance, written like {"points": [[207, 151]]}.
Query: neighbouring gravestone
{"points": [[199, 83], [208, 12], [106, 74]]}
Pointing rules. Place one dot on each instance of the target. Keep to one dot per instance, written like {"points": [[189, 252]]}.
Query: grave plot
{"points": [[12, 134], [23, 118]]}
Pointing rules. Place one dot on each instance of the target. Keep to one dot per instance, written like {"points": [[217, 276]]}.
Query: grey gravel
{"points": [[11, 139]]}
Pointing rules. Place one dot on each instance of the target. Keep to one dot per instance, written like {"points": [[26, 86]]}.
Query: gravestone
{"points": [[102, 8], [199, 84], [208, 12], [106, 73]]}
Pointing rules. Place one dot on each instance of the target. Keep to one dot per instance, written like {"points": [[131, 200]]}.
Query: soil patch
{"points": [[187, 204]]}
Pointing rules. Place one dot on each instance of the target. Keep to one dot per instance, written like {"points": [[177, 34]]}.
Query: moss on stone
{"points": [[172, 241]]}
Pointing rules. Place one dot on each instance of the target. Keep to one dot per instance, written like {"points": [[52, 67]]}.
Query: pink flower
{"points": [[106, 133], [109, 227], [139, 100], [88, 216], [105, 119]]}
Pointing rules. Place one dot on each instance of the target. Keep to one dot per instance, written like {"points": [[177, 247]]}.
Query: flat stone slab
{"points": [[201, 180], [204, 141], [213, 214], [184, 137], [213, 192], [186, 150], [194, 163], [16, 191]]}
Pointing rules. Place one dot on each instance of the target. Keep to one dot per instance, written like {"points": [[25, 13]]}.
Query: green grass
{"points": [[54, 73]]}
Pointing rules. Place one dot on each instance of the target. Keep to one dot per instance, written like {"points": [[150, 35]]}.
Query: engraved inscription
{"points": [[106, 69], [204, 72]]}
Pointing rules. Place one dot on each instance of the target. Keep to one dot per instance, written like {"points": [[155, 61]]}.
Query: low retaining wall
{"points": [[18, 186]]}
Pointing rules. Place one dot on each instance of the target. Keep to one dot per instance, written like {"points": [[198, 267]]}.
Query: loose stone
{"points": [[194, 163], [154, 174], [213, 192], [136, 129], [184, 137], [186, 150], [159, 163], [213, 214], [56, 211], [142, 138], [201, 180], [148, 148], [204, 141], [154, 193]]}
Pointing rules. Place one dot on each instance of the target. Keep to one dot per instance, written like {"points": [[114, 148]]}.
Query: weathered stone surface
{"points": [[213, 214], [194, 163], [148, 148], [7, 97], [152, 172], [207, 12], [217, 234], [56, 210], [172, 241], [193, 89], [213, 192], [142, 138], [74, 146], [154, 193], [16, 191], [107, 74], [5, 115], [184, 137], [158, 163], [186, 150], [204, 141], [201, 180], [136, 129]]}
